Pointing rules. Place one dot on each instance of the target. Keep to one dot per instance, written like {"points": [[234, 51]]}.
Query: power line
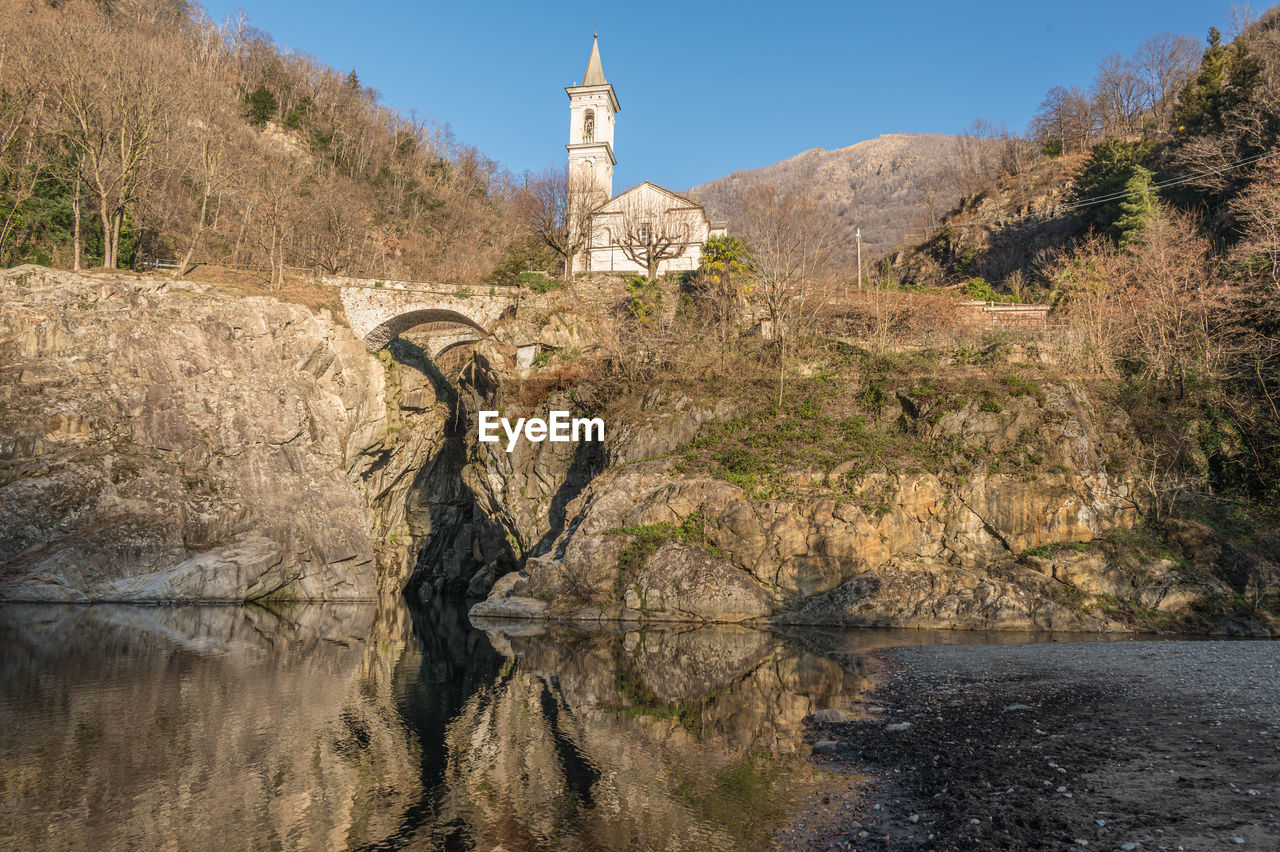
{"points": [[1114, 196]]}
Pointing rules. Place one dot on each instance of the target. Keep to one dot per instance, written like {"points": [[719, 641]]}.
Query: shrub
{"points": [[539, 283], [979, 290], [645, 298]]}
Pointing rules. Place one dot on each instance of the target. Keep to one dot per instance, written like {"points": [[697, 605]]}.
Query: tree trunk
{"points": [[105, 216], [75, 227], [195, 240], [118, 220], [244, 226]]}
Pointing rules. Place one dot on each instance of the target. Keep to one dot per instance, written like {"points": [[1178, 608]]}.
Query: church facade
{"points": [[646, 229]]}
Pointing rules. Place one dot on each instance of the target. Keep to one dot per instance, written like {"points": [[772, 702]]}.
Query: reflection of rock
{"points": [[342, 726], [638, 739], [155, 726]]}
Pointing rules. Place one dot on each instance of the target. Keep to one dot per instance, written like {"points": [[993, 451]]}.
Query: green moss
{"points": [[648, 538]]}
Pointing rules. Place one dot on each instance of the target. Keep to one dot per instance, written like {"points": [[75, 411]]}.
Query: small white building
{"points": [[645, 222]]}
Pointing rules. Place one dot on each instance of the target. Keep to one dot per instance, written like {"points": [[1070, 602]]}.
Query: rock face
{"points": [[170, 442], [929, 551], [162, 441]]}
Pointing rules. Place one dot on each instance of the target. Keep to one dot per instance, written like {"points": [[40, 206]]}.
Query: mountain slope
{"points": [[889, 186]]}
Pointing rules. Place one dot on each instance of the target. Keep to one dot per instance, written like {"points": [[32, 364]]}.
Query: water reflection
{"points": [[342, 726]]}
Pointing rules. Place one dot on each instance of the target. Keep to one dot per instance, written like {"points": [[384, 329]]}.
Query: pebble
{"points": [[831, 714], [1013, 707], [1100, 821], [1128, 847], [1239, 841], [897, 726], [975, 822], [913, 819], [826, 746]]}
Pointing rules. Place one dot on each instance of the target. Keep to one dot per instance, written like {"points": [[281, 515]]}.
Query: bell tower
{"points": [[592, 107]]}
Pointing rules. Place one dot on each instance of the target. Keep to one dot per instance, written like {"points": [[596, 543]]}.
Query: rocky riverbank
{"points": [[1114, 745]]}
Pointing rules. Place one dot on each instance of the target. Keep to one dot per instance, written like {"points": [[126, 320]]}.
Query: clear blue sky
{"points": [[707, 88]]}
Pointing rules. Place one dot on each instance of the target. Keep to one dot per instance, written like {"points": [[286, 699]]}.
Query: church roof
{"points": [[688, 203], [595, 72]]}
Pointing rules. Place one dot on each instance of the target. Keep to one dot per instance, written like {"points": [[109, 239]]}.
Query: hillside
{"points": [[1009, 227], [890, 186], [233, 150]]}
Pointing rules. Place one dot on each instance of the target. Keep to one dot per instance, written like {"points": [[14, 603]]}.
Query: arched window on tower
{"points": [[589, 126]]}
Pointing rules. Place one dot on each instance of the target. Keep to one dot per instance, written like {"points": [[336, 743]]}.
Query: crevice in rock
{"points": [[992, 531]]}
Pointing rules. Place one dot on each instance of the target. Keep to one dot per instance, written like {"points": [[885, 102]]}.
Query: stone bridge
{"points": [[379, 311]]}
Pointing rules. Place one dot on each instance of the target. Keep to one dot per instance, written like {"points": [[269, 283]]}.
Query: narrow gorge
{"points": [[169, 441]]}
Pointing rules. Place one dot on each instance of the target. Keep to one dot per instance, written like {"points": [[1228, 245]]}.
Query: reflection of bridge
{"points": [[379, 311]]}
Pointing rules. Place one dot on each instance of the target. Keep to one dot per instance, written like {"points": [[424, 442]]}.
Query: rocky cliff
{"points": [[165, 441], [998, 494], [170, 441]]}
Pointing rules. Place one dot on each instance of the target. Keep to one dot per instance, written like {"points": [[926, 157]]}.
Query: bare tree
{"points": [[1258, 211], [1017, 152], [1067, 115], [651, 227], [21, 99], [1118, 92], [280, 207], [112, 90], [1163, 64], [792, 244], [975, 161], [211, 142], [1172, 298], [557, 206]]}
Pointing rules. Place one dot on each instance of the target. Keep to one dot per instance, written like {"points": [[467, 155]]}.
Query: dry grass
{"points": [[300, 289]]}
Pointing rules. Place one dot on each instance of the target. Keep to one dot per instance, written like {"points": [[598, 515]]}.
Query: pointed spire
{"points": [[595, 73]]}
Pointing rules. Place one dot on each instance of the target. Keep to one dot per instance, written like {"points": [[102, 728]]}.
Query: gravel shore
{"points": [[1139, 745]]}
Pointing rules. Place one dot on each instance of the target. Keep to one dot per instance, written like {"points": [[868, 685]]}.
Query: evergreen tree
{"points": [[725, 258], [1227, 77], [1111, 164], [1136, 209], [260, 106]]}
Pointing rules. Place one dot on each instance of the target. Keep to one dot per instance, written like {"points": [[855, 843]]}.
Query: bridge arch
{"points": [[388, 330], [380, 314]]}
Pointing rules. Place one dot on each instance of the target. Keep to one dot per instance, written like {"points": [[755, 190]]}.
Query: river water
{"points": [[330, 726]]}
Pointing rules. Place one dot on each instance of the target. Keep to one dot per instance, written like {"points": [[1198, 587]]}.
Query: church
{"points": [[647, 229]]}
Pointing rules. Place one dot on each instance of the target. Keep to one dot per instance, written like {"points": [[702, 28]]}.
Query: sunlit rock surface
{"points": [[164, 441]]}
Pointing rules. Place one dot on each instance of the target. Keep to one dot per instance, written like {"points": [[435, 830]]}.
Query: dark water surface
{"points": [[331, 726]]}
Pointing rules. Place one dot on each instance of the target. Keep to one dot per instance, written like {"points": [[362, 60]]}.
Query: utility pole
{"points": [[858, 235]]}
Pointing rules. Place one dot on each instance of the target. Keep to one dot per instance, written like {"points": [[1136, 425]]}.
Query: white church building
{"points": [[644, 226]]}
